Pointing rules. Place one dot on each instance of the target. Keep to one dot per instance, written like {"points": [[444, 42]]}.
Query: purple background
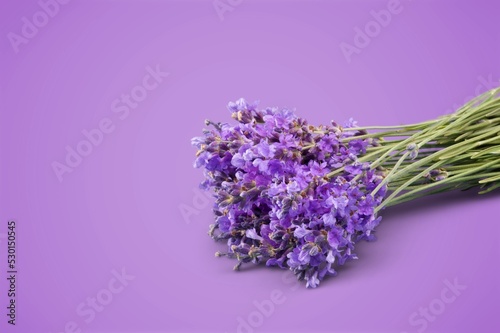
{"points": [[121, 206]]}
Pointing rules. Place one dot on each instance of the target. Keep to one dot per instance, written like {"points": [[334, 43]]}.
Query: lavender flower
{"points": [[274, 200], [299, 197]]}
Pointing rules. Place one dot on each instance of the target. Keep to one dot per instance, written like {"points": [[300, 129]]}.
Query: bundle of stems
{"points": [[457, 151], [300, 196]]}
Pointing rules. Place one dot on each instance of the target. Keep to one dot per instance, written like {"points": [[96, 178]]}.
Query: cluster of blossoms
{"points": [[276, 200], [299, 197]]}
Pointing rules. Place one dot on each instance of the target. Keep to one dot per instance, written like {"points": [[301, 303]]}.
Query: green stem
{"points": [[464, 145]]}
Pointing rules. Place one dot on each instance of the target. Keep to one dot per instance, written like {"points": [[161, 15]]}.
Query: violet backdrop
{"points": [[124, 205]]}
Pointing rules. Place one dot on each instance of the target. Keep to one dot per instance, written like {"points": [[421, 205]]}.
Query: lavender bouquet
{"points": [[298, 196]]}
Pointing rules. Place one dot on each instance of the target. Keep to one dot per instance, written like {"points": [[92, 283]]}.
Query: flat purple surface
{"points": [[120, 206]]}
